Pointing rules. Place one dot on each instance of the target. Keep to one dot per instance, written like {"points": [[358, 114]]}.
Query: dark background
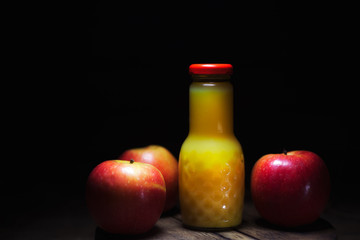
{"points": [[290, 83], [116, 77]]}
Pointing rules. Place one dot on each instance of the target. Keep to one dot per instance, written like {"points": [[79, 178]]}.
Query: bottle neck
{"points": [[211, 108]]}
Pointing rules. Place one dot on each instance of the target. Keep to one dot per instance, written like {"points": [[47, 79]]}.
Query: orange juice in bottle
{"points": [[211, 162]]}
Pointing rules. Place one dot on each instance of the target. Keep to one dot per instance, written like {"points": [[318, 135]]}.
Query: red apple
{"points": [[290, 189], [125, 196], [163, 160]]}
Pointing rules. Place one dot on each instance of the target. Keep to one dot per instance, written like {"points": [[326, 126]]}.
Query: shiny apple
{"points": [[163, 160], [125, 197], [290, 189]]}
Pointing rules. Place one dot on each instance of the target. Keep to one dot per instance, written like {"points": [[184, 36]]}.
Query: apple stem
{"points": [[284, 151], [132, 161]]}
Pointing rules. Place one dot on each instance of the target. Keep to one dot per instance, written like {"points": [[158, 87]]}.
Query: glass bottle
{"points": [[211, 161]]}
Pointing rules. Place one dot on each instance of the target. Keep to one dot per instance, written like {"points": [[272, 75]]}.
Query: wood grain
{"points": [[258, 228], [253, 227]]}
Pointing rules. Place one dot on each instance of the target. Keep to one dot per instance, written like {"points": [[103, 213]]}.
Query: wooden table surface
{"points": [[66, 217], [253, 227]]}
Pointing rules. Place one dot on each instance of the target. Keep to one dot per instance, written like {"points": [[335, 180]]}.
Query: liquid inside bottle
{"points": [[211, 162]]}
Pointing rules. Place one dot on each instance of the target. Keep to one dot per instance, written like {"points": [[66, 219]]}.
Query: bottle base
{"points": [[211, 229]]}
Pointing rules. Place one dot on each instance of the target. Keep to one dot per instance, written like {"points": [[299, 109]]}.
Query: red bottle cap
{"points": [[211, 68]]}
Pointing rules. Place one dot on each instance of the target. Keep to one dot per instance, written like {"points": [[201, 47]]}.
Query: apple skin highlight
{"points": [[290, 189], [163, 160], [125, 197]]}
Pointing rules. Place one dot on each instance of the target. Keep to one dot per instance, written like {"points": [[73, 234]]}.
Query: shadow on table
{"points": [[102, 235], [319, 225]]}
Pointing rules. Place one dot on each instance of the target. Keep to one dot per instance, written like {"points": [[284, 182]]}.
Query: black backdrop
{"points": [[289, 81], [121, 81]]}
